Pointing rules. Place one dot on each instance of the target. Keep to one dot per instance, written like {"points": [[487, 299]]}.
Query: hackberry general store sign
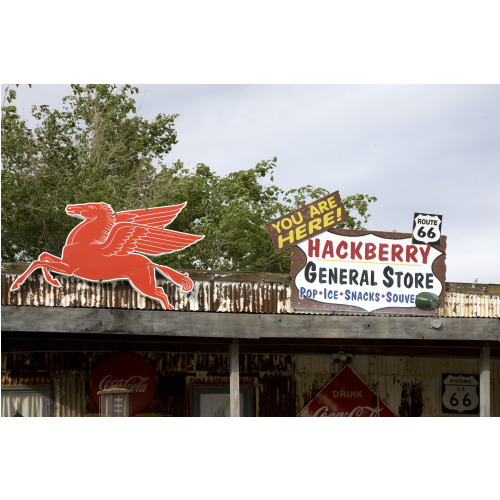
{"points": [[366, 271], [360, 271]]}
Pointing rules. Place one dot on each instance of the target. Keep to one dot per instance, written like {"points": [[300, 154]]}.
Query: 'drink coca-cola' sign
{"points": [[346, 395], [125, 371]]}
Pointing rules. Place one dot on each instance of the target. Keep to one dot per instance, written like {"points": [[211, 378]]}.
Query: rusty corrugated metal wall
{"points": [[270, 375], [410, 385], [70, 393], [207, 295], [69, 386], [225, 292], [283, 383]]}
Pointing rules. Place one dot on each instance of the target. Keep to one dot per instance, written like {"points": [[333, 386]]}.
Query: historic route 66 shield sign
{"points": [[427, 229], [460, 393]]}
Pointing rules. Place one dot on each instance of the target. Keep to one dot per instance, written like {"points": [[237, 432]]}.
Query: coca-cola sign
{"points": [[346, 395], [125, 371]]}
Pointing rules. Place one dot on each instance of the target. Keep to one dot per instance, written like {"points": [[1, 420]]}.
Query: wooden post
{"points": [[484, 381], [234, 379]]}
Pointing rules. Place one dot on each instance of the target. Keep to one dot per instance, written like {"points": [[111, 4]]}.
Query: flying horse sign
{"points": [[109, 246]]}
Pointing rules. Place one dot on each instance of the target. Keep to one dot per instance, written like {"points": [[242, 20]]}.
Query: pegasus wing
{"points": [[123, 239], [155, 217], [126, 238]]}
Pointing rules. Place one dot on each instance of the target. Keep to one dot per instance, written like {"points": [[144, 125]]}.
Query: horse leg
{"points": [[182, 280], [47, 257], [144, 281], [58, 267]]}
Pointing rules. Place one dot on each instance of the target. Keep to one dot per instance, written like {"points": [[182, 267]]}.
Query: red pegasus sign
{"points": [[107, 246]]}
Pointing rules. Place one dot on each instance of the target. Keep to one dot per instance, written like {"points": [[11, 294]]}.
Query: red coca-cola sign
{"points": [[125, 371], [346, 395]]}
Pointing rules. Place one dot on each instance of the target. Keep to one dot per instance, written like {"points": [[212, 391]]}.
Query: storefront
{"points": [[235, 345]]}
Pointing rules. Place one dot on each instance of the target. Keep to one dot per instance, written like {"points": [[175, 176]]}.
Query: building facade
{"points": [[234, 345]]}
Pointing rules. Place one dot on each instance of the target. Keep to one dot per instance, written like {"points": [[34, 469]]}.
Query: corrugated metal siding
{"points": [[410, 385], [312, 373], [283, 383], [32, 369], [70, 394], [215, 295], [218, 296], [465, 305]]}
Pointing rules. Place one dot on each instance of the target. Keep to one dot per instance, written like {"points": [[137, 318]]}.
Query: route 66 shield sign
{"points": [[427, 229], [460, 393]]}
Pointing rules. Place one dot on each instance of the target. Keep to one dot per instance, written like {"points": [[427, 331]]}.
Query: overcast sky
{"points": [[417, 148]]}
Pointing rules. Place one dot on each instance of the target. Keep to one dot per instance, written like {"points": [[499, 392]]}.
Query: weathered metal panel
{"points": [[312, 373], [228, 292], [70, 393], [412, 386], [214, 296], [472, 306], [284, 383], [32, 369]]}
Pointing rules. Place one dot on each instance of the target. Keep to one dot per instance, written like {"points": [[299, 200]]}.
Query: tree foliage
{"points": [[97, 148]]}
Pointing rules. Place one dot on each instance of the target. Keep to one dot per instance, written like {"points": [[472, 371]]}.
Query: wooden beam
{"points": [[484, 381], [234, 379], [244, 325], [378, 327], [129, 322]]}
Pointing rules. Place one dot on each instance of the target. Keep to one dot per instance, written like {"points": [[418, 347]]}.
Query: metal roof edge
{"points": [[265, 277]]}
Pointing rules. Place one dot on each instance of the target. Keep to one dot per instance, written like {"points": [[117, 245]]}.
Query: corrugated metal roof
{"points": [[212, 292]]}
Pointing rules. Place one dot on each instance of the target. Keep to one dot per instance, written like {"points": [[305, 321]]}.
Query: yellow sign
{"points": [[308, 221]]}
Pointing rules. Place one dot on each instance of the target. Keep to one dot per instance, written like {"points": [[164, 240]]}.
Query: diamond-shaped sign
{"points": [[346, 395]]}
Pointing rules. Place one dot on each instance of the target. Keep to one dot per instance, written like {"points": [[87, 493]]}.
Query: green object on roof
{"points": [[427, 301]]}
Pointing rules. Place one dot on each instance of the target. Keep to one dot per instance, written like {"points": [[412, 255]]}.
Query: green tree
{"points": [[98, 149], [231, 212]]}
